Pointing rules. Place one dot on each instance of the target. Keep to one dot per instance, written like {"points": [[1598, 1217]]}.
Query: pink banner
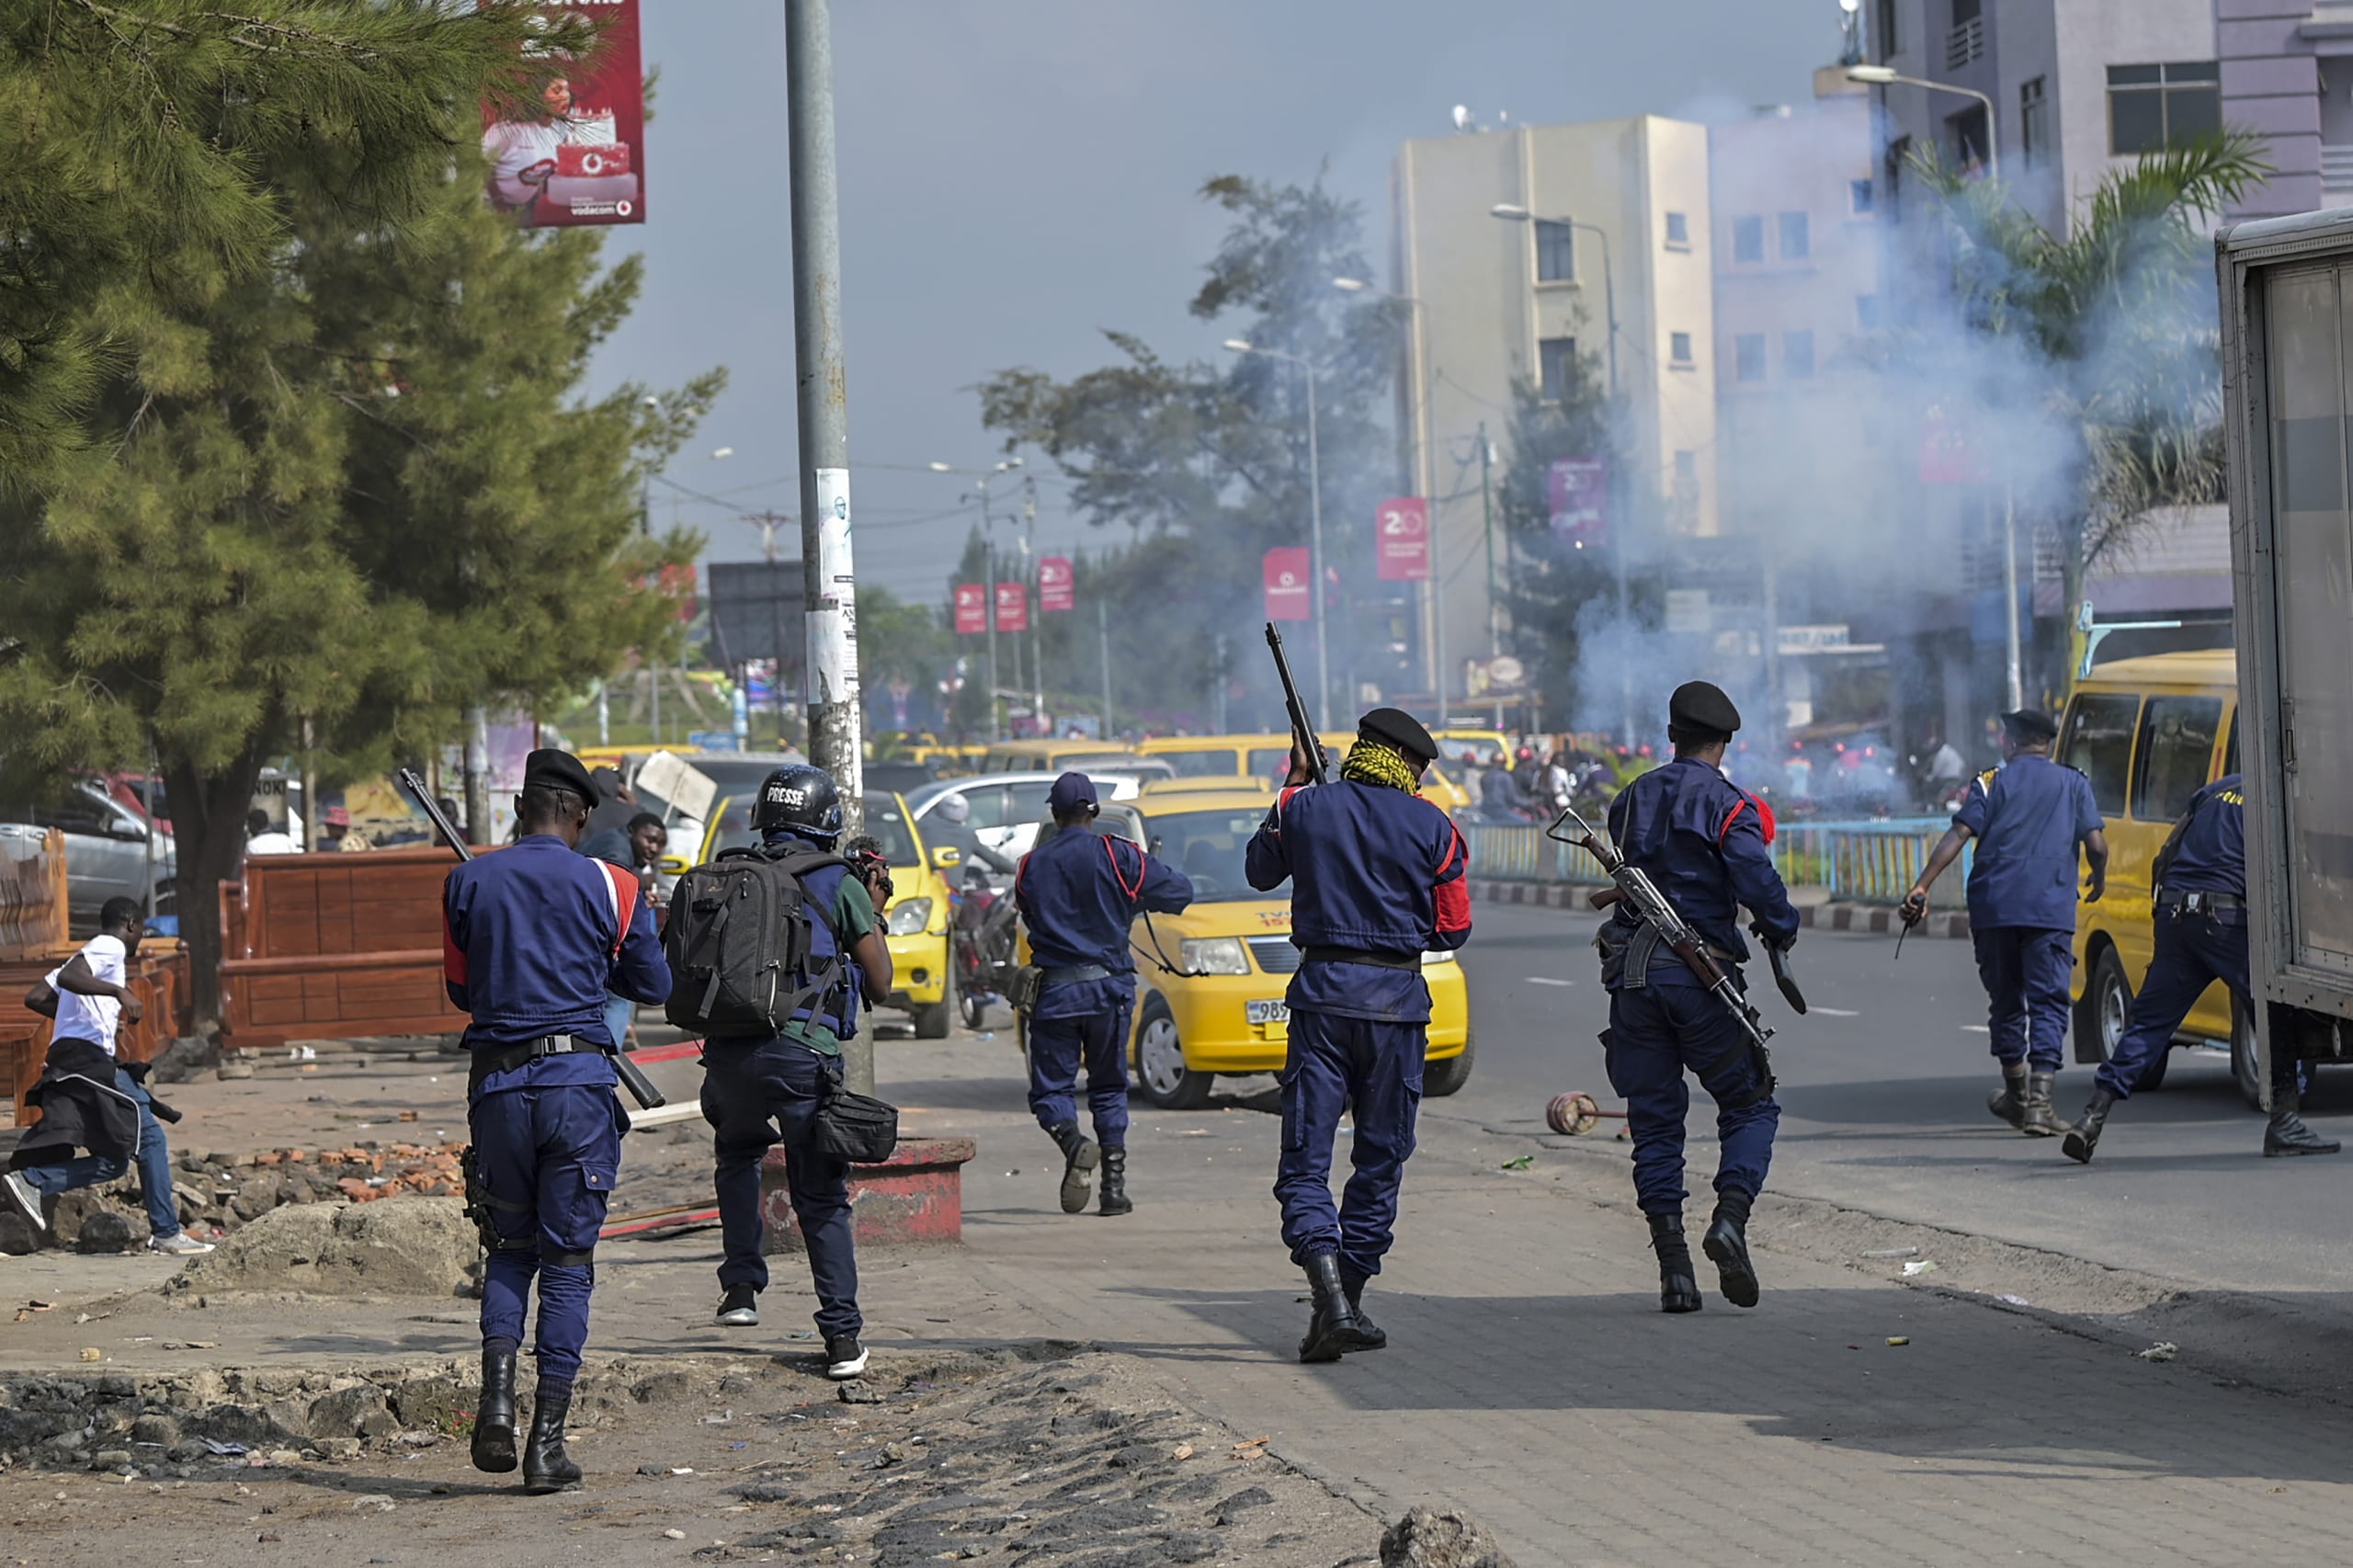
{"points": [[1012, 607], [1287, 598], [1401, 540], [971, 609], [578, 158], [1577, 490], [1057, 584]]}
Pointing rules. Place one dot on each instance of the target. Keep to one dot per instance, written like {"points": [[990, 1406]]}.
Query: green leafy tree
{"points": [[141, 152], [356, 487]]}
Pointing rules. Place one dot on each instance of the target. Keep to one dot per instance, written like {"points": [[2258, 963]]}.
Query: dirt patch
{"points": [[404, 1246]]}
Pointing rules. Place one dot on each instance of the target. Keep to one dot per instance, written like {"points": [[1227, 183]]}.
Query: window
{"points": [[990, 807], [1678, 230], [1965, 11], [2152, 108], [2176, 746], [1860, 198], [1679, 347], [1866, 313], [1970, 141], [1556, 367], [1686, 486], [1796, 243], [1885, 41], [1556, 255], [1797, 356], [1899, 154], [1748, 357], [2099, 742], [2034, 123], [1748, 239]]}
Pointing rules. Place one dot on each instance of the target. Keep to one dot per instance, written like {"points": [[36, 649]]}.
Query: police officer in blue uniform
{"points": [[763, 1090], [2199, 880], [1078, 892], [2028, 817], [1377, 881], [1705, 843], [535, 935]]}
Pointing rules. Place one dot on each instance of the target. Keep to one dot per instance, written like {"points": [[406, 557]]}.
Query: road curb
{"points": [[1865, 917]]}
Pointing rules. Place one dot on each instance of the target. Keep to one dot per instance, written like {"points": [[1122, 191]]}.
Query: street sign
{"points": [[1286, 572], [971, 609], [1797, 640], [1057, 588], [1401, 540], [1012, 607], [1687, 610], [712, 740], [1577, 494]]}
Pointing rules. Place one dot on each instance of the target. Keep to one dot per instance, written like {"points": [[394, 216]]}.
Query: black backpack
{"points": [[740, 943]]}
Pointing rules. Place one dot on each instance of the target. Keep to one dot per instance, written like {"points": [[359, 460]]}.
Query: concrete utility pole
{"points": [[829, 588], [1315, 525], [477, 776]]}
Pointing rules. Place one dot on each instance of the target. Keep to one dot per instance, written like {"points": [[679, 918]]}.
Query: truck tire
{"points": [[2247, 1065], [934, 1021], [1161, 1078], [1447, 1075]]}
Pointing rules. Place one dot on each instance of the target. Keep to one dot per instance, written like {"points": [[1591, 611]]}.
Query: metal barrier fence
{"points": [[1867, 861]]}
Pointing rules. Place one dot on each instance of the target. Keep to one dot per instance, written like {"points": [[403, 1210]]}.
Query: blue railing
{"points": [[1867, 860]]}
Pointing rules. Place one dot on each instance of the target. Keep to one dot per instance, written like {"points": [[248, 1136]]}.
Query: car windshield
{"points": [[1209, 762], [1207, 846], [883, 820]]}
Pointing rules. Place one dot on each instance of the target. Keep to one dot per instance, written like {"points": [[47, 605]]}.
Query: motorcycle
{"points": [[983, 945]]}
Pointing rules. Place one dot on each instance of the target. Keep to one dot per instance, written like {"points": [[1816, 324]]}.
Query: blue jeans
{"points": [[155, 1167], [1656, 1032], [1334, 1065], [756, 1095]]}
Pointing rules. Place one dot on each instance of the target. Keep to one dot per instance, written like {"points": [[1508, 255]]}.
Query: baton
{"points": [[641, 1088], [1903, 929]]}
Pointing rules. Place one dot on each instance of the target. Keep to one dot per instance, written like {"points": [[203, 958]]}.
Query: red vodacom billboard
{"points": [[1287, 578], [575, 156]]}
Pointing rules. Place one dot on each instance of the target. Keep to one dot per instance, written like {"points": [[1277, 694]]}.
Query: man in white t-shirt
{"points": [[262, 839], [88, 999]]}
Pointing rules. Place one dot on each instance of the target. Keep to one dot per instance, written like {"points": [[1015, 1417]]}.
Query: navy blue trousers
{"points": [[2192, 952], [756, 1095], [1333, 1064], [1658, 1032], [1096, 1040], [2025, 970], [547, 1157]]}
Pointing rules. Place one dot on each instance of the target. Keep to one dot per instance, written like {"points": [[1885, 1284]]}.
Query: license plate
{"points": [[1267, 1012]]}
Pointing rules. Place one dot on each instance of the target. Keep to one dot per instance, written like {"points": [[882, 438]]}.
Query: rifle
{"points": [[1302, 734], [1634, 887], [641, 1088]]}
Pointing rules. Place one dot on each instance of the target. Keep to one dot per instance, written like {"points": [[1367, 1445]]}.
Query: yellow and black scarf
{"points": [[1373, 761]]}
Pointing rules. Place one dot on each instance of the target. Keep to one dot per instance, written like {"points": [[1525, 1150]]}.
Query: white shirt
{"points": [[271, 843], [92, 1017]]}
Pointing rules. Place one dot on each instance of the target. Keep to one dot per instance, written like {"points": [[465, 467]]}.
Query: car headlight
{"points": [[1213, 955], [910, 916], [1434, 957]]}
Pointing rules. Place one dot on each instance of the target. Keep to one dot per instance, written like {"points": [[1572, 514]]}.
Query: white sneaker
{"points": [[25, 1198], [179, 1244], [845, 1358]]}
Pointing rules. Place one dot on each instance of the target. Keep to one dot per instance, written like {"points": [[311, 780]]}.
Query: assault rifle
{"points": [[1302, 734]]}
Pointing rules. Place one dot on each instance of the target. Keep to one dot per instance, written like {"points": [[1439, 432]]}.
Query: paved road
{"points": [[1883, 1092]]}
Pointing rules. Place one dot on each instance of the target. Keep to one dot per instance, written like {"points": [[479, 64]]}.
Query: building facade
{"points": [[2287, 74]]}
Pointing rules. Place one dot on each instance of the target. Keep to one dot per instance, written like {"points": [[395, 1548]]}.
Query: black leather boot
{"points": [[1679, 1287], [1375, 1338], [2286, 1134], [546, 1467], [1079, 1158], [2009, 1103], [2039, 1119], [1726, 1245], [2084, 1137], [495, 1413], [1115, 1183], [1332, 1327]]}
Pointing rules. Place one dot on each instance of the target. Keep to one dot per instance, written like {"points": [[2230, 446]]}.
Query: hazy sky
{"points": [[1019, 175]]}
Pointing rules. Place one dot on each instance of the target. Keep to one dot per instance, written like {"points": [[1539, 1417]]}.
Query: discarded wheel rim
{"points": [[1572, 1114]]}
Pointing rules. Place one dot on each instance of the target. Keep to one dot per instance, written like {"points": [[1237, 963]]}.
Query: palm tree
{"points": [[2121, 310]]}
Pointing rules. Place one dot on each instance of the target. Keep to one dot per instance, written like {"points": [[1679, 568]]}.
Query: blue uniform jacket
{"points": [[2029, 816], [2209, 855], [1078, 892], [1705, 844], [1371, 868], [533, 937]]}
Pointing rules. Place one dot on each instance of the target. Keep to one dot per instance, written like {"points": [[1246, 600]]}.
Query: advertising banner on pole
{"points": [[1286, 572], [1401, 540], [577, 157], [971, 609], [1578, 491], [1057, 584], [1012, 607]]}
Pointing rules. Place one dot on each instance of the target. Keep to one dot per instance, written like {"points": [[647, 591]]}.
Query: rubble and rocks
{"points": [[1423, 1538], [408, 1246]]}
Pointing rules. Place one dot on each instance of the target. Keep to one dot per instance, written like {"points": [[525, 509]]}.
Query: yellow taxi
{"points": [[1459, 746], [1054, 756], [923, 973], [1263, 758], [1209, 982], [2149, 734]]}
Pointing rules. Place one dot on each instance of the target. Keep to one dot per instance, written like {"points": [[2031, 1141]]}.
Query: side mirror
{"points": [[947, 855], [674, 865], [126, 829]]}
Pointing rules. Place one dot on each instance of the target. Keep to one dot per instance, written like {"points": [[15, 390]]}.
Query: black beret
{"points": [[1399, 728], [1697, 705], [547, 768], [2029, 725]]}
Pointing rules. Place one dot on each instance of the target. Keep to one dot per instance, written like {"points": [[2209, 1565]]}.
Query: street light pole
{"points": [[1314, 526], [980, 478], [1424, 476]]}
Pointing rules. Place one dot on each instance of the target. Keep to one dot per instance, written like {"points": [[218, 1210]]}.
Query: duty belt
{"points": [[1073, 975], [2198, 901], [505, 1058], [1361, 955]]}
